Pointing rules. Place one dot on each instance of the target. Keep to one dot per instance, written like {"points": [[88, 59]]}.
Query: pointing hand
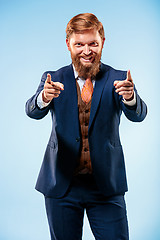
{"points": [[125, 87], [51, 89]]}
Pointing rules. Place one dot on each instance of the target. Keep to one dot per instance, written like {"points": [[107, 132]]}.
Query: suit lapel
{"points": [[98, 89]]}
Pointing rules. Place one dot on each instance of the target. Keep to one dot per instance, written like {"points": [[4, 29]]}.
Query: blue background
{"points": [[32, 40]]}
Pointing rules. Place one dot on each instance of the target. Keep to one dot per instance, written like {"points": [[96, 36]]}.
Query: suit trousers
{"points": [[107, 215]]}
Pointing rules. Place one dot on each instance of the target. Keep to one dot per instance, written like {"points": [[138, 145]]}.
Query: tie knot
{"points": [[88, 80]]}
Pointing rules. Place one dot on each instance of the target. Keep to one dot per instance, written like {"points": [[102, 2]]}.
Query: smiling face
{"points": [[86, 49]]}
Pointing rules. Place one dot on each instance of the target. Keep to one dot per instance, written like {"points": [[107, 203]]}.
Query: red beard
{"points": [[85, 71]]}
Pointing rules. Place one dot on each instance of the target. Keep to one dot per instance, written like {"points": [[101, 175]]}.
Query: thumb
{"points": [[115, 82], [58, 85]]}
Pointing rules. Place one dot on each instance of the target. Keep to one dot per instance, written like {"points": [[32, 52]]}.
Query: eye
{"points": [[78, 44], [94, 44]]}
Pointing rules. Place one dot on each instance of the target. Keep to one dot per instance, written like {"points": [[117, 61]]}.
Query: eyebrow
{"points": [[87, 42]]}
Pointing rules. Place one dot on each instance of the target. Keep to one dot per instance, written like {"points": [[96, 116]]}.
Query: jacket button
{"points": [[77, 139]]}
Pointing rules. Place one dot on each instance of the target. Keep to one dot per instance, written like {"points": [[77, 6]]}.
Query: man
{"points": [[83, 167]]}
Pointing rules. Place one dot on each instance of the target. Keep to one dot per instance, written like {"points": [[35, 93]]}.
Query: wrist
{"points": [[130, 99], [131, 102], [44, 98]]}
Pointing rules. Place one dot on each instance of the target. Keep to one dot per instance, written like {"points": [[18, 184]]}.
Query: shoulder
{"points": [[59, 71], [113, 72]]}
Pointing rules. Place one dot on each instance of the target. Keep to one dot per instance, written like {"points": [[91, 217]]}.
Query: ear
{"points": [[68, 44], [103, 42]]}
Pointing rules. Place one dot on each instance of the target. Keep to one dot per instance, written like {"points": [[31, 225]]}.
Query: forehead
{"points": [[85, 36]]}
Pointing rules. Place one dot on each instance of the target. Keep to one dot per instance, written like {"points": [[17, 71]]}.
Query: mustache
{"points": [[87, 55]]}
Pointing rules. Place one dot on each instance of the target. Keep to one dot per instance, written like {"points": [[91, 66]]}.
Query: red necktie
{"points": [[87, 91]]}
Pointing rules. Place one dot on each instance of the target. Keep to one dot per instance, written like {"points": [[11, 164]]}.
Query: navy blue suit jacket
{"points": [[63, 148]]}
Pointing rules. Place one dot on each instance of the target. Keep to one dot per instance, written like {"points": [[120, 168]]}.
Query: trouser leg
{"points": [[107, 218], [65, 215]]}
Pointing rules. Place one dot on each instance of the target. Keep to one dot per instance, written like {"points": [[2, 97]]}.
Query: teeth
{"points": [[86, 59]]}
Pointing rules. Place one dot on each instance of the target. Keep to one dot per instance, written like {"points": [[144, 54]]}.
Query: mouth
{"points": [[87, 59]]}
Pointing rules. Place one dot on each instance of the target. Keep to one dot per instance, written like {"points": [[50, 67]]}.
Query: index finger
{"points": [[48, 80], [129, 78]]}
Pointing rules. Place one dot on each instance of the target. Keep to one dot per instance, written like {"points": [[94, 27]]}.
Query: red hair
{"points": [[83, 22]]}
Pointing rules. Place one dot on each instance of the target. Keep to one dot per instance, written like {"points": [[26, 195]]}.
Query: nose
{"points": [[86, 50]]}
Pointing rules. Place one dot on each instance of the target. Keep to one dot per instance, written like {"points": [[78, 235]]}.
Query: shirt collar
{"points": [[75, 73]]}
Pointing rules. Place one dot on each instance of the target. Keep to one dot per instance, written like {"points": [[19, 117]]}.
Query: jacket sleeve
{"points": [[136, 113], [31, 107]]}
